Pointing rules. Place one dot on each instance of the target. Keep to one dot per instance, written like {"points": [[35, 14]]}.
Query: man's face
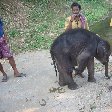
{"points": [[75, 10]]}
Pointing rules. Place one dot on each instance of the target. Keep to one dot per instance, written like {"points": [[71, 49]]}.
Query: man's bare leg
{"points": [[13, 65], [4, 74]]}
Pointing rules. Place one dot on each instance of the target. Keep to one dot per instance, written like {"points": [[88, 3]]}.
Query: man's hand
{"points": [[72, 18]]}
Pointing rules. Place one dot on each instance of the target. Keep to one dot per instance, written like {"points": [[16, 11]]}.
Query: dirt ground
{"points": [[39, 90]]}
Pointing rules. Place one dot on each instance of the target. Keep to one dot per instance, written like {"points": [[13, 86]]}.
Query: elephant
{"points": [[78, 47]]}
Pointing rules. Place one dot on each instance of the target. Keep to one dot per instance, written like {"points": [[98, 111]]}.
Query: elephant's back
{"points": [[76, 39]]}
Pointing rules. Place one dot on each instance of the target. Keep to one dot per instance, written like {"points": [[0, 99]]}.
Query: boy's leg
{"points": [[4, 74], [13, 65]]}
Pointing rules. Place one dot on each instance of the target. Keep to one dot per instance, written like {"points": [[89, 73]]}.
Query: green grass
{"points": [[45, 21]]}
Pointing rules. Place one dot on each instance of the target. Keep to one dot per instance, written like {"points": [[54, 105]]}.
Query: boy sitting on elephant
{"points": [[76, 20]]}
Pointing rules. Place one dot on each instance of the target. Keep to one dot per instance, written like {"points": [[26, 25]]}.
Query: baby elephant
{"points": [[78, 48]]}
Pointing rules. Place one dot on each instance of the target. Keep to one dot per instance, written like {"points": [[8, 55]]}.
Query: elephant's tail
{"points": [[54, 62]]}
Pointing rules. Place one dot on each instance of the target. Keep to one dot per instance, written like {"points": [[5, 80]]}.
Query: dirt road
{"points": [[39, 90]]}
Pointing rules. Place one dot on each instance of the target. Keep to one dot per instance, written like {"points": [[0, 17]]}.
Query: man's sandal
{"points": [[5, 78], [20, 75]]}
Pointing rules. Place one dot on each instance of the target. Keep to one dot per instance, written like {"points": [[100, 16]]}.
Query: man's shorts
{"points": [[5, 51]]}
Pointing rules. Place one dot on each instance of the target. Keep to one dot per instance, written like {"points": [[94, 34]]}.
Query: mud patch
{"points": [[57, 90]]}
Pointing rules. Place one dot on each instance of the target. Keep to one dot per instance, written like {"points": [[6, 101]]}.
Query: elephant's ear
{"points": [[100, 49]]}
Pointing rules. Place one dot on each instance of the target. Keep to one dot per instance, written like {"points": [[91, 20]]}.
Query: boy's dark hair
{"points": [[76, 4]]}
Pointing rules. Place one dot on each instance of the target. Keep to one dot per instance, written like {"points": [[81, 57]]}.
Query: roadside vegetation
{"points": [[34, 24]]}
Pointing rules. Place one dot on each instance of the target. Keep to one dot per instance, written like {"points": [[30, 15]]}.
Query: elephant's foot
{"points": [[62, 83], [108, 77], [82, 76], [91, 80], [72, 86], [77, 72]]}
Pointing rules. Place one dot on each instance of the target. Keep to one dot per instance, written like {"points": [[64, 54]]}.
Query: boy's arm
{"points": [[68, 24], [111, 22], [86, 25]]}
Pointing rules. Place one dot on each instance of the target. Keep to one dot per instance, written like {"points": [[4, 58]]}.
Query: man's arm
{"points": [[86, 25], [68, 23]]}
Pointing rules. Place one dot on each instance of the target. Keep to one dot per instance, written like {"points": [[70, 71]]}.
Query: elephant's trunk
{"points": [[106, 70]]}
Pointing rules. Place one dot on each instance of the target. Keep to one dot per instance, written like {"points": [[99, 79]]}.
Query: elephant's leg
{"points": [[76, 73], [71, 84], [82, 65], [61, 80], [82, 62], [65, 75], [74, 63], [60, 64], [61, 76], [90, 68], [68, 77]]}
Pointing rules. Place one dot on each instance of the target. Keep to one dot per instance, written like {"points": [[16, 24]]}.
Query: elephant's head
{"points": [[103, 53]]}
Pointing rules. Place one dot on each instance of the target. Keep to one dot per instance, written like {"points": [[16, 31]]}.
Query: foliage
{"points": [[34, 24]]}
